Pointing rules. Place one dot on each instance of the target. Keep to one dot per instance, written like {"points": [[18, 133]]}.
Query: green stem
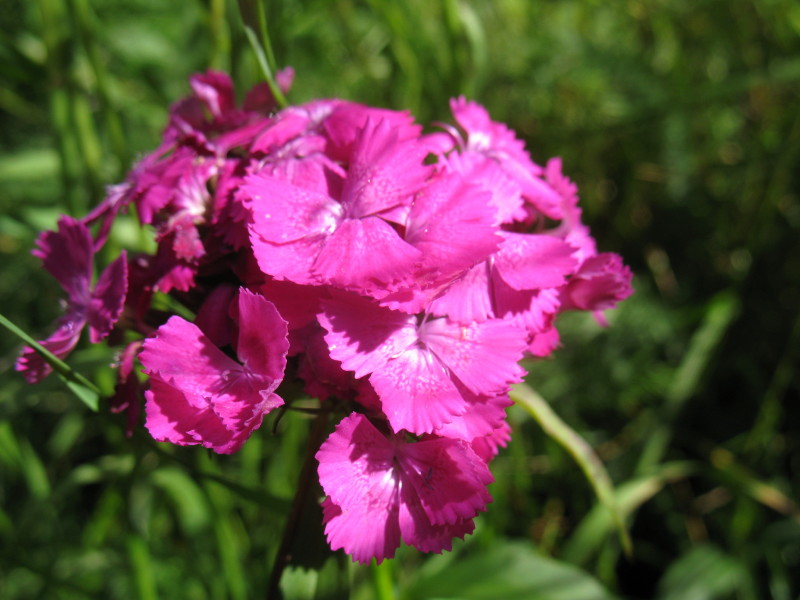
{"points": [[265, 41], [580, 451], [304, 487], [263, 63], [382, 580], [254, 17]]}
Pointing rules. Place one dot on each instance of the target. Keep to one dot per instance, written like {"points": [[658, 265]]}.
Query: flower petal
{"points": [[108, 298]]}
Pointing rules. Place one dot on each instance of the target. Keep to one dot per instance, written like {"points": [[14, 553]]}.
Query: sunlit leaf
{"points": [[512, 571]]}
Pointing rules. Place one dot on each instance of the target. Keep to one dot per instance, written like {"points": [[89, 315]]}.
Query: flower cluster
{"points": [[401, 276]]}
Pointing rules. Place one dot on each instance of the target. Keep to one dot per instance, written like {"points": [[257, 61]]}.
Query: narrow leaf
{"points": [[85, 390], [142, 568], [581, 452], [261, 58], [591, 534]]}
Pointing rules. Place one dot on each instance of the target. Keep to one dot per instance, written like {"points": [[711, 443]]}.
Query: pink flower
{"points": [[210, 121], [426, 371], [198, 394], [312, 238], [600, 283], [382, 489], [498, 143], [453, 226], [68, 255], [517, 284], [399, 275]]}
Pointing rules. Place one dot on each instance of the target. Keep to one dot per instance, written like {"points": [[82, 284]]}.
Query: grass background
{"points": [[679, 120]]}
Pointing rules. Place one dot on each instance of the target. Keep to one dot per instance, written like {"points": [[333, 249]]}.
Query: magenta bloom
{"points": [[426, 372], [601, 283], [312, 238], [382, 489], [68, 255], [199, 395], [394, 276]]}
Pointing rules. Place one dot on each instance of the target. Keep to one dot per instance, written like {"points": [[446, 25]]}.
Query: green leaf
{"points": [[513, 571], [591, 534], [29, 165], [703, 573], [84, 389], [188, 499], [333, 579], [721, 312], [142, 568], [577, 447]]}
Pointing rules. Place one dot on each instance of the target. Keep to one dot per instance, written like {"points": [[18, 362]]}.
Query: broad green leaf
{"points": [[513, 571], [17, 454], [230, 549], [577, 447], [382, 580], [298, 584], [703, 573], [34, 471]]}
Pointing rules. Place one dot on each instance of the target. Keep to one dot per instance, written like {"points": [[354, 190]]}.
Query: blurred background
{"points": [[680, 122]]}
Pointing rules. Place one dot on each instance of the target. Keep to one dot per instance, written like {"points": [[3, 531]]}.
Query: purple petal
{"points": [[200, 392], [452, 223], [67, 255], [364, 532], [417, 393], [385, 171], [532, 261], [482, 419], [263, 341], [365, 254], [468, 298], [484, 356], [362, 335], [448, 477], [356, 465], [60, 343], [283, 213], [108, 298]]}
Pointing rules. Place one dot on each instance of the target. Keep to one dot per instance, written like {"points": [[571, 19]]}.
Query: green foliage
{"points": [[679, 122]]}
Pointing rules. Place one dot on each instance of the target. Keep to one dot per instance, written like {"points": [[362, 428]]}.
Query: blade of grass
{"points": [[719, 316], [86, 25], [85, 390], [142, 567], [220, 35], [61, 100], [591, 533], [580, 451], [255, 16], [741, 479]]}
